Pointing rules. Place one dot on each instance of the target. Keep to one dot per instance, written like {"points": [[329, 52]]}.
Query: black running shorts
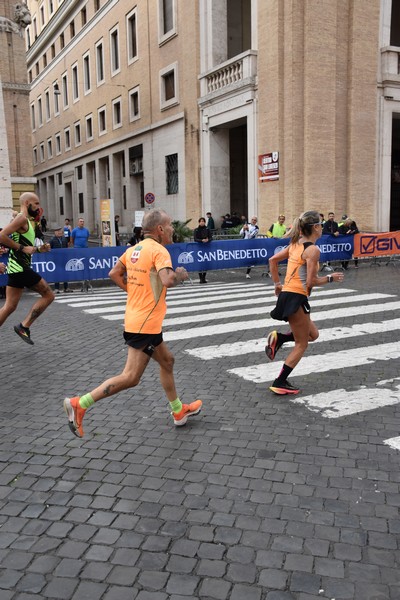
{"points": [[147, 342], [289, 303], [27, 278]]}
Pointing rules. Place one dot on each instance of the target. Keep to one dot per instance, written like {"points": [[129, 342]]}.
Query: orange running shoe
{"points": [[75, 415], [188, 410]]}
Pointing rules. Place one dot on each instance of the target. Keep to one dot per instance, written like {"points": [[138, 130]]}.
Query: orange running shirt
{"points": [[146, 305], [296, 273]]}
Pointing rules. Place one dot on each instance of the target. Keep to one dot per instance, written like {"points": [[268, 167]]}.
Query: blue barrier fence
{"points": [[77, 264]]}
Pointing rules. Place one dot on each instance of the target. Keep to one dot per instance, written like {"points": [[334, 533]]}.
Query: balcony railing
{"points": [[240, 69]]}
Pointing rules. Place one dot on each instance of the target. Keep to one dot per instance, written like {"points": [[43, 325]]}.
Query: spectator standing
{"points": [[80, 238], [116, 225], [235, 219], [278, 229], [67, 230], [210, 222], [330, 226], [202, 235], [43, 223], [349, 227], [227, 222], [249, 231], [80, 235], [59, 241]]}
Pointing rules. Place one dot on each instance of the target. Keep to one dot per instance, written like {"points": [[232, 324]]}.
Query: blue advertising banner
{"points": [[77, 264]]}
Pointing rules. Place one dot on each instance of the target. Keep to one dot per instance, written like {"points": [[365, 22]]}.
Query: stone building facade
{"points": [[194, 97], [16, 172]]}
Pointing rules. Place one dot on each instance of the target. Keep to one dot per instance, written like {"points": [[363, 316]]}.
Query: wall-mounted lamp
{"points": [[56, 90]]}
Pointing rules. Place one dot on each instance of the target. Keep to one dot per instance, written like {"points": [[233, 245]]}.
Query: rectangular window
{"points": [[49, 148], [56, 94], [41, 150], [47, 104], [169, 86], [99, 63], [96, 5], [53, 51], [75, 83], [72, 29], [171, 170], [67, 134], [167, 19], [37, 68], [117, 113], [62, 40], [30, 76], [44, 60], [58, 143], [59, 178], [83, 16], [40, 112], [65, 90], [42, 16], [114, 50], [51, 7], [34, 26], [61, 203], [35, 158], [89, 128], [102, 120], [131, 29], [33, 120], [134, 106], [86, 73], [81, 203], [79, 172], [124, 196], [77, 132]]}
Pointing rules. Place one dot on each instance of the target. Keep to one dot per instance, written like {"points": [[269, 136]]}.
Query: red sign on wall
{"points": [[268, 166]]}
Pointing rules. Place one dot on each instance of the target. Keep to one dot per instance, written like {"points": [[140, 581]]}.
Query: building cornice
{"points": [[55, 26]]}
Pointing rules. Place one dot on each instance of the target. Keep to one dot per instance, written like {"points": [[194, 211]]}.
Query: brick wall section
{"points": [[318, 106], [16, 101]]}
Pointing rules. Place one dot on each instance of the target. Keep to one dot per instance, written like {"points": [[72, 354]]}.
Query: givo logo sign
{"points": [[369, 244], [75, 264], [185, 258]]}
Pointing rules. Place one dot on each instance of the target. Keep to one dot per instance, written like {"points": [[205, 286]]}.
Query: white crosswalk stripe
{"points": [[200, 314]]}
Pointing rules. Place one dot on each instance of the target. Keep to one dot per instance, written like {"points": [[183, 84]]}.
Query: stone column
{"points": [[5, 177]]}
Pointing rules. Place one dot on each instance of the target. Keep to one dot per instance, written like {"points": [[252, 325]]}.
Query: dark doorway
{"points": [[238, 170], [395, 187]]}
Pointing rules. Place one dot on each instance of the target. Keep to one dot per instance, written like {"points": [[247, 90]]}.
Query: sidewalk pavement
{"points": [[256, 499]]}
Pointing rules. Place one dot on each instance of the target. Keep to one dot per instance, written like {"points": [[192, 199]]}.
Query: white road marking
{"points": [[321, 363], [325, 335], [393, 443], [246, 311], [268, 323], [341, 403], [190, 305]]}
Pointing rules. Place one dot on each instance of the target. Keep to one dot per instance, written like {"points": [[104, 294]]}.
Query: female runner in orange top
{"points": [[292, 305]]}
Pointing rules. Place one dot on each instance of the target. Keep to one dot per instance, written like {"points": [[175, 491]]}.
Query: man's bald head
{"points": [[153, 219], [27, 198]]}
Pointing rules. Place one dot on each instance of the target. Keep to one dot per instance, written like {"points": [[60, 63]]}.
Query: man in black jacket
{"points": [[57, 242], [330, 226], [203, 235]]}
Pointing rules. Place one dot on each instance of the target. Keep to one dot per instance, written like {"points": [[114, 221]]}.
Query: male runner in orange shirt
{"points": [[144, 272]]}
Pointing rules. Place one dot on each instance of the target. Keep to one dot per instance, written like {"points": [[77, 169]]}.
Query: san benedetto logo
{"points": [[75, 264], [185, 258]]}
